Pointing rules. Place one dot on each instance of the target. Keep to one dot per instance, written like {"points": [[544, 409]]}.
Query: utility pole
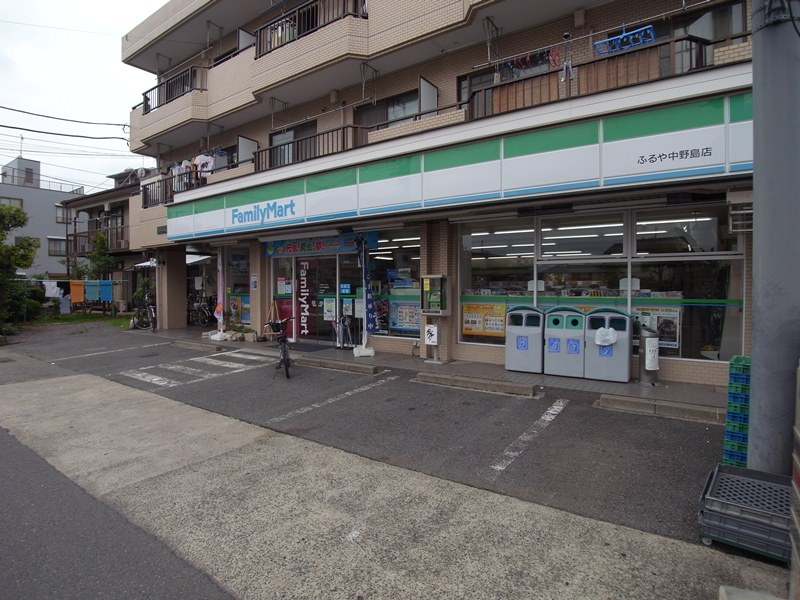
{"points": [[776, 233]]}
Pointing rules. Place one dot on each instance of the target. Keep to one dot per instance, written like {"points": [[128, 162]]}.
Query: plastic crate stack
{"points": [[737, 416]]}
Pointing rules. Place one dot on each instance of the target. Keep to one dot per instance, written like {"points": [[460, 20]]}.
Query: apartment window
{"points": [[56, 246], [388, 112], [28, 175], [11, 202], [62, 214], [293, 145]]}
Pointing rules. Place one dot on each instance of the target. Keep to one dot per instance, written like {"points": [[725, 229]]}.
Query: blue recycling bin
{"points": [[524, 329], [564, 341], [609, 345]]}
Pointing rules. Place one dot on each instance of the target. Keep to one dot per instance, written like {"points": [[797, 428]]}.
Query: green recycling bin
{"points": [[564, 341]]}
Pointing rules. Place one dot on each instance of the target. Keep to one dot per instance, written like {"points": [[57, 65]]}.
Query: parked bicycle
{"points": [[199, 313], [145, 316], [285, 360]]}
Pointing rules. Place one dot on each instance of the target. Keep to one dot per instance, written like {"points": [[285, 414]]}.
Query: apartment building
{"points": [[578, 153], [22, 185]]}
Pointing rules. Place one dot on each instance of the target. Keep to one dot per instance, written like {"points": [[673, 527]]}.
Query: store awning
{"points": [[191, 259]]}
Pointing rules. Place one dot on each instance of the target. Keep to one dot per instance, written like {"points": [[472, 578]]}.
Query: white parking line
{"points": [[342, 396], [150, 378], [522, 442], [219, 363], [55, 360]]}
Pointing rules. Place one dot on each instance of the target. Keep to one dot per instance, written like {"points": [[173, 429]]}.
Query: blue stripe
{"points": [[552, 188], [182, 236], [745, 166], [264, 225], [349, 213], [456, 199], [370, 211], [665, 175]]}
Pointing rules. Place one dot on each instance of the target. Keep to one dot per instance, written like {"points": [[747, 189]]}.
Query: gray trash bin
{"points": [[608, 362], [648, 356], [564, 341], [524, 327]]}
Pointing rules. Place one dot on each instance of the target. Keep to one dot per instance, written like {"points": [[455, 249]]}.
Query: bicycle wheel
{"points": [[203, 318], [152, 318], [285, 358], [141, 320]]}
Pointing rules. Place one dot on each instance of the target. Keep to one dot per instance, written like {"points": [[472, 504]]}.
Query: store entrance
{"points": [[316, 297]]}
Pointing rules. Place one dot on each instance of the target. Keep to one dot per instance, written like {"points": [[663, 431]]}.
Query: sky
{"points": [[63, 59]]}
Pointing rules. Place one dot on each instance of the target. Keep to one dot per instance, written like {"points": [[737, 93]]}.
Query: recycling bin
{"points": [[524, 328], [609, 345], [564, 341]]}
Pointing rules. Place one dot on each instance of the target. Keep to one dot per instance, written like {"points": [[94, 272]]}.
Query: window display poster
{"points": [[483, 319], [403, 315], [329, 309], [666, 321], [281, 286]]}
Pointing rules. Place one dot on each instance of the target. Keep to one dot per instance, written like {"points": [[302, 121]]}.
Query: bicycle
{"points": [[145, 316], [199, 313], [285, 359]]}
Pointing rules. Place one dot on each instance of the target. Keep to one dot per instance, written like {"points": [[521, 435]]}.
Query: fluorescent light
{"points": [[649, 232], [547, 229], [613, 234], [415, 258], [565, 255], [383, 241], [387, 252], [571, 237], [697, 220], [522, 245], [547, 244], [383, 258], [642, 253], [514, 231], [388, 247], [496, 257], [488, 247], [563, 251], [411, 239], [480, 233], [412, 246], [521, 255], [478, 258], [590, 226]]}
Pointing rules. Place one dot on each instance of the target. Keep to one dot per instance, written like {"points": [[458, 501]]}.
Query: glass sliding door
{"points": [[316, 297]]}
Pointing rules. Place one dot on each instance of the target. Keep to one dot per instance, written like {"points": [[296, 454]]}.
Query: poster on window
{"points": [[404, 315], [666, 321], [483, 319]]}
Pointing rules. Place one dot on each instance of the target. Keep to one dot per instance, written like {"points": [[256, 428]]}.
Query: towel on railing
{"points": [[106, 293], [76, 290], [51, 289], [91, 290]]}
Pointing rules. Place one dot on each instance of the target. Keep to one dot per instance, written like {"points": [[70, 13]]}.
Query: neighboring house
{"points": [[584, 153], [22, 185]]}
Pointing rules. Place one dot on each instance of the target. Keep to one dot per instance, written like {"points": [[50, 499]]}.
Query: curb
{"points": [[663, 408], [338, 365], [472, 383]]}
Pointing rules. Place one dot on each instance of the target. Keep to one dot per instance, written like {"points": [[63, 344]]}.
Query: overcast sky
{"points": [[62, 59]]}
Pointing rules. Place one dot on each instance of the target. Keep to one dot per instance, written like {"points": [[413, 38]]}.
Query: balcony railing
{"points": [[322, 144], [172, 88], [303, 20], [80, 243]]}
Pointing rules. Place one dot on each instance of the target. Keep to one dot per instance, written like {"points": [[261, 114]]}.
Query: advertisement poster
{"points": [[666, 321], [404, 315], [281, 286], [329, 309], [483, 319]]}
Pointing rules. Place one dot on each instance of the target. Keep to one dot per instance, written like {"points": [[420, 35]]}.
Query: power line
{"points": [[58, 28], [88, 137], [57, 143], [62, 119]]}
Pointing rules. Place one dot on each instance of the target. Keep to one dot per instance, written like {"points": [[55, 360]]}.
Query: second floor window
{"points": [[56, 247], [11, 202], [293, 145], [390, 109]]}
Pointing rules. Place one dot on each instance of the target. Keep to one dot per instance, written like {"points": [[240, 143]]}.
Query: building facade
{"points": [[592, 155], [22, 186]]}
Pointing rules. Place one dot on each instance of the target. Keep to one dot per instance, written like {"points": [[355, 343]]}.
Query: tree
{"points": [[100, 263], [19, 255]]}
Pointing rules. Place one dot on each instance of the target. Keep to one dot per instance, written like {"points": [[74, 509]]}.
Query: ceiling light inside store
{"points": [[478, 258], [488, 247], [412, 246], [388, 247], [514, 231], [496, 257], [697, 220], [613, 234], [649, 232], [590, 226], [387, 252], [481, 233], [383, 241], [564, 252], [411, 239], [642, 253], [571, 237], [522, 245], [415, 258], [547, 244], [383, 258]]}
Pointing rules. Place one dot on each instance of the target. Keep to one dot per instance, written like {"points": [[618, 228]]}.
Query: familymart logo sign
{"points": [[264, 213]]}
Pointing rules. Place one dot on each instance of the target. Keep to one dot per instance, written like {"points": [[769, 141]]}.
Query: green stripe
{"points": [[703, 113], [209, 204], [461, 156], [742, 107], [265, 193], [332, 180], [549, 140], [184, 209], [388, 169]]}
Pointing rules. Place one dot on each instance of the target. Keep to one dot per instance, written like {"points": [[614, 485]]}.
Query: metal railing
{"points": [[321, 144], [303, 20], [80, 243], [172, 88]]}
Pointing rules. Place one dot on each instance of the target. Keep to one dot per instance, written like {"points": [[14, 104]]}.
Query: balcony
{"points": [[80, 243], [304, 20], [173, 88], [656, 61]]}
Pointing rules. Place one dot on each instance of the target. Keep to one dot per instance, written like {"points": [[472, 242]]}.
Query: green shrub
{"points": [[33, 309]]}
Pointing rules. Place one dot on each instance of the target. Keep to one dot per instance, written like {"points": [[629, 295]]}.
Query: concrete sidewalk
{"points": [[273, 516]]}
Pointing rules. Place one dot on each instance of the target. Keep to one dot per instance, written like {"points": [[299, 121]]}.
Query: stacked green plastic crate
{"points": [[738, 412]]}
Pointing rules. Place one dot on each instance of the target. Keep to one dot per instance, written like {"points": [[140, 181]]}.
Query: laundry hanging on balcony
{"points": [[626, 40]]}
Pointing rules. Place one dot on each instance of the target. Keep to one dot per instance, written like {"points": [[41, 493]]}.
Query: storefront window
{"points": [[394, 277], [574, 236], [237, 285], [583, 285], [683, 230]]}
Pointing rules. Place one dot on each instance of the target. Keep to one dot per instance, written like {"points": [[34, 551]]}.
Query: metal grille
{"points": [[741, 218]]}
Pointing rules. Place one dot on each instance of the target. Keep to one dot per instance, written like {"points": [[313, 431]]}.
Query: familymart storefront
{"points": [[630, 211]]}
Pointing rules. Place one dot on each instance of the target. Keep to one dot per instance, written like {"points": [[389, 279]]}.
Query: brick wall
{"points": [[733, 53]]}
